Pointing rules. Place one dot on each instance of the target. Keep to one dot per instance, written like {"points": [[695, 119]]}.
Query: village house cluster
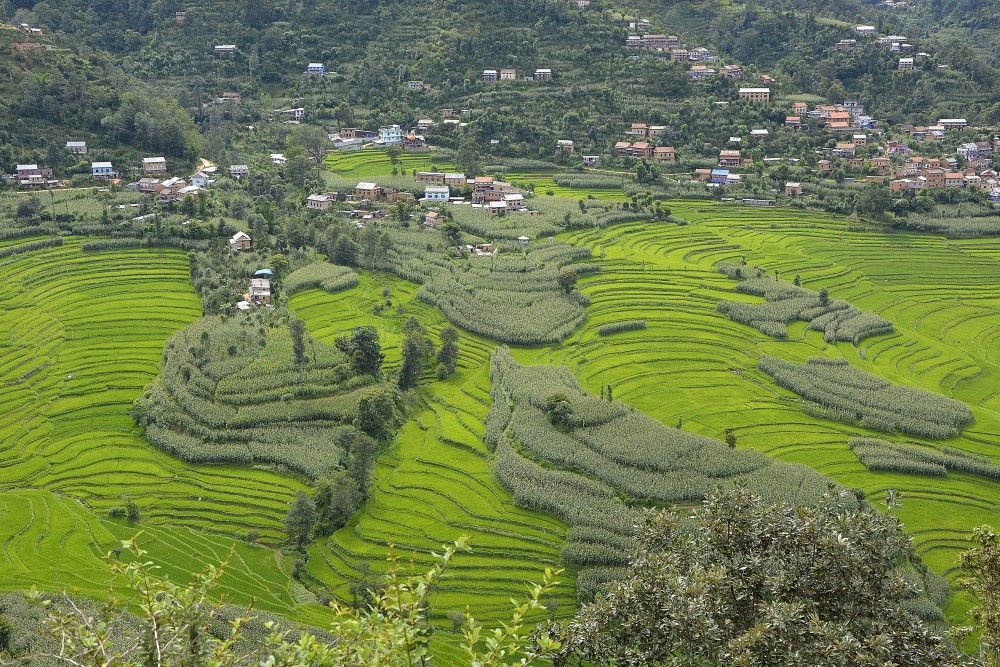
{"points": [[349, 139], [492, 75]]}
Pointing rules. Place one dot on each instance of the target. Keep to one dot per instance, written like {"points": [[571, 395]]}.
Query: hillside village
{"points": [[817, 147]]}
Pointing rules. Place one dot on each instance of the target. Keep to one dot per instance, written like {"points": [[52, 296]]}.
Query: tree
{"points": [[567, 280], [279, 264], [362, 458], [337, 499], [824, 296], [131, 509], [393, 152], [345, 251], [559, 410], [299, 520], [314, 140], [467, 159], [298, 330], [875, 200], [186, 626], [6, 634], [982, 584], [296, 165], [363, 349], [755, 583], [452, 233], [375, 410], [412, 364], [731, 438], [28, 207], [447, 356]]}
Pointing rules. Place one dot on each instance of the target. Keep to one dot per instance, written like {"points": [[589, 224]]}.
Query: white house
{"points": [[316, 69], [238, 171], [77, 147], [392, 134], [225, 49], [953, 123], [240, 241], [436, 193], [102, 170], [201, 179], [320, 202]]}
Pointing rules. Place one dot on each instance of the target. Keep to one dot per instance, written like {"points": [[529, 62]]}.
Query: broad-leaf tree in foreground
{"points": [[746, 583]]}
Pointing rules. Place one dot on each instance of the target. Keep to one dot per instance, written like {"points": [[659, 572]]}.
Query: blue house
{"points": [[316, 68], [720, 176], [102, 170]]}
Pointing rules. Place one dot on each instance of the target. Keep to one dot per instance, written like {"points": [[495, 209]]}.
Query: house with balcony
{"points": [[729, 158], [436, 193], [102, 170], [755, 95], [154, 165], [389, 135], [77, 147]]}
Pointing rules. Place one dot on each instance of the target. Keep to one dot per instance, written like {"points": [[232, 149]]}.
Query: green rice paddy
{"points": [[82, 334]]}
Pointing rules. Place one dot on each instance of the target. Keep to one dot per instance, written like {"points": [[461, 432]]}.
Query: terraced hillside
{"points": [[693, 366], [80, 335], [435, 483]]}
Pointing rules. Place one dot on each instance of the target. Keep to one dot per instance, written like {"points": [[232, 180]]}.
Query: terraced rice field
{"points": [[367, 163], [435, 484], [80, 335], [692, 363], [694, 366]]}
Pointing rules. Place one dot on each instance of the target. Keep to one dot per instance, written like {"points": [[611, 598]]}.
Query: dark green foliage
{"points": [[6, 634], [836, 390], [375, 413], [345, 251], [447, 356], [748, 581], [337, 497], [364, 350], [785, 303], [619, 327], [567, 279], [297, 328], [131, 509], [559, 410], [299, 520], [412, 364]]}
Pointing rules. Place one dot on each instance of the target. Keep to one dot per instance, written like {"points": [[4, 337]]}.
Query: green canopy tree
{"points": [[757, 584]]}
